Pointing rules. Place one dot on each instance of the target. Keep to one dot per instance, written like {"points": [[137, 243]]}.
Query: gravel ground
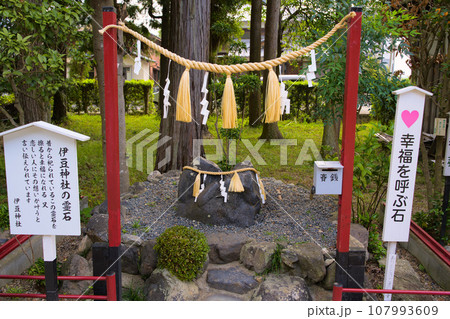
{"points": [[288, 214]]}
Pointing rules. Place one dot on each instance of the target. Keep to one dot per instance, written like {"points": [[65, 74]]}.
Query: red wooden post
{"points": [[111, 287], [337, 292], [112, 143], [112, 127], [348, 145]]}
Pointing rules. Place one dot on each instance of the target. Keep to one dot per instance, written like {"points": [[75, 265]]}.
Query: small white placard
{"points": [[328, 177], [439, 126], [403, 166]]}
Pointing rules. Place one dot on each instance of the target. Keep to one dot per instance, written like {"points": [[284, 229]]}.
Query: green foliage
{"points": [[4, 217], [315, 18], [182, 251], [85, 97], [303, 101], [7, 99], [34, 39], [38, 269], [275, 261], [133, 294], [85, 215], [383, 102], [375, 245], [431, 221], [370, 175], [136, 92]]}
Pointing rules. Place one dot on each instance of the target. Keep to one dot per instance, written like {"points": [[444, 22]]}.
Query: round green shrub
{"points": [[182, 251]]}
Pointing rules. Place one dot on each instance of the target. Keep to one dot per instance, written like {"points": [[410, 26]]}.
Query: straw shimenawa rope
{"points": [[235, 183], [229, 111], [236, 68]]}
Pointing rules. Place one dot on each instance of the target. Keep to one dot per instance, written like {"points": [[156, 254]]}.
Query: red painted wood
{"points": [[112, 128], [400, 292], [12, 244], [437, 248], [84, 297], [348, 134], [111, 287]]}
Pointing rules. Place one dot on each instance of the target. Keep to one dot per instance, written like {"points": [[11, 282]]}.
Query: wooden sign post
{"points": [[446, 173], [402, 174], [42, 182]]}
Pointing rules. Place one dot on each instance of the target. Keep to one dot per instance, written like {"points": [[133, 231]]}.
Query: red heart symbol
{"points": [[410, 117]]}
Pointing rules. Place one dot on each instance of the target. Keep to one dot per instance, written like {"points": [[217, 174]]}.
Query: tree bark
{"points": [[189, 30], [270, 130], [124, 175], [97, 24], [254, 103], [59, 107]]}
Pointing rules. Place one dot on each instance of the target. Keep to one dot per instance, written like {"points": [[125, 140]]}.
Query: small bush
{"points": [[182, 251]]}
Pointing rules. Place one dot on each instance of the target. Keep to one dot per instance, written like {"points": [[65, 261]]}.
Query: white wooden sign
{"points": [[402, 174], [447, 154], [42, 179], [403, 167]]}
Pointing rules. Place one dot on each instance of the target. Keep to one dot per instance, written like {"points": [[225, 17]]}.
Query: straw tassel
{"points": [[229, 112], [236, 184], [272, 102], [196, 190], [184, 99]]}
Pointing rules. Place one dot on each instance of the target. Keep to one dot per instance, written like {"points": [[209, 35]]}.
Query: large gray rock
{"points": [[84, 246], [130, 259], [304, 260], [257, 255], [406, 278], [148, 258], [328, 281], [97, 228], [282, 288], [134, 282], [320, 294], [225, 248], [231, 277], [129, 239], [163, 286], [76, 266], [240, 208]]}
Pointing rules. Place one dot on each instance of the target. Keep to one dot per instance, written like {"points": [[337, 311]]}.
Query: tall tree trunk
{"points": [[97, 24], [59, 107], [189, 30], [254, 104], [330, 137], [270, 130], [124, 175]]}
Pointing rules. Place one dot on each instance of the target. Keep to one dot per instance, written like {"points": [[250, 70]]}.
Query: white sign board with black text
{"points": [[403, 166], [42, 179]]}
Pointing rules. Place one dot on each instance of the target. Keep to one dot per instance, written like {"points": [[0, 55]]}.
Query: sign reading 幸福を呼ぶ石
{"points": [[42, 179], [403, 166]]}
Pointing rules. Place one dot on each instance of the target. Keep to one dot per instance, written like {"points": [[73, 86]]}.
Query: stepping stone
{"points": [[234, 279]]}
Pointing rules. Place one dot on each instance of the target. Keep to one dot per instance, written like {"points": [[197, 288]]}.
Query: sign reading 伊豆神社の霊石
{"points": [[403, 165], [42, 179]]}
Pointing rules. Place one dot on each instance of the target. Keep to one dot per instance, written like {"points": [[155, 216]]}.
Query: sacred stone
{"points": [[210, 208]]}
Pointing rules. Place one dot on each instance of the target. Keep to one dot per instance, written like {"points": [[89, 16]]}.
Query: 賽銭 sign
{"points": [[403, 166], [42, 179]]}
